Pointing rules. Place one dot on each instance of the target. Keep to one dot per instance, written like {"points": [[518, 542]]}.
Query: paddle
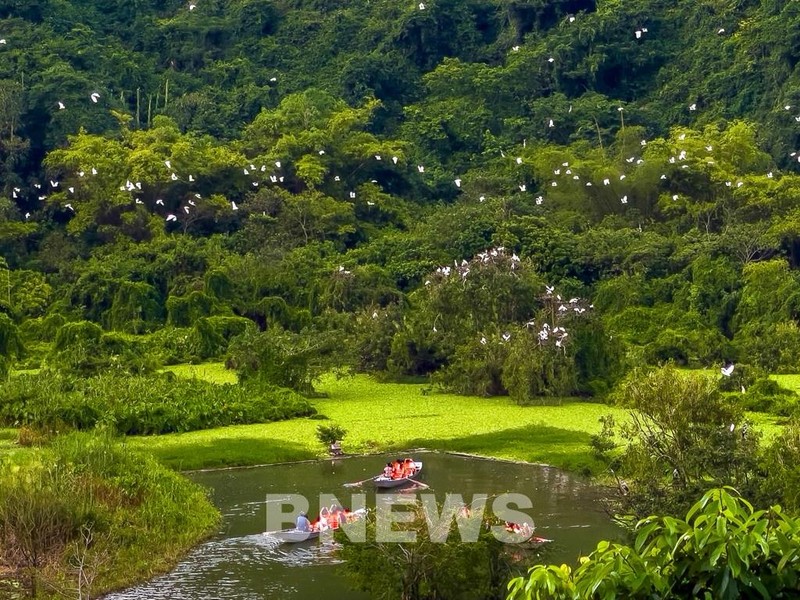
{"points": [[358, 483]]}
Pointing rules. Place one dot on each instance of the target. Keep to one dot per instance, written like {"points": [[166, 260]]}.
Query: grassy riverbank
{"points": [[105, 517]]}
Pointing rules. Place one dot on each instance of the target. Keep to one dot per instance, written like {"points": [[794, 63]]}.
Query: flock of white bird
{"points": [[563, 172]]}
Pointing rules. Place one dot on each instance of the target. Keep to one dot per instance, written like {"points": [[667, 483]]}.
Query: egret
{"points": [[61, 105], [420, 168], [693, 106], [160, 202], [171, 218], [278, 164], [519, 160], [553, 184], [377, 157], [173, 177], [624, 199], [606, 181], [395, 159], [621, 177], [675, 196], [551, 60], [192, 6], [663, 176], [3, 41], [720, 31], [71, 190], [539, 200], [458, 183], [370, 203], [54, 183], [321, 152], [27, 215], [727, 371], [168, 163], [336, 178], [255, 184], [191, 178], [588, 184], [191, 203], [246, 172], [233, 205], [483, 341], [69, 206], [94, 171], [709, 148], [186, 209], [515, 49], [273, 79], [620, 108], [638, 33], [523, 187], [550, 123], [352, 194], [572, 19], [95, 97], [139, 201], [482, 199], [506, 336], [769, 175], [421, 6]]}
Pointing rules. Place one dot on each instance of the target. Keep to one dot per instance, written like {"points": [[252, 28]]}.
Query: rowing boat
{"points": [[295, 536], [381, 481]]}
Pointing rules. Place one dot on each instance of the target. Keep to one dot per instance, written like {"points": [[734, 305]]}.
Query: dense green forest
{"points": [[531, 198], [514, 197]]}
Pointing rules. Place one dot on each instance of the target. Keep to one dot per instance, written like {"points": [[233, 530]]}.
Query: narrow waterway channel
{"points": [[241, 563]]}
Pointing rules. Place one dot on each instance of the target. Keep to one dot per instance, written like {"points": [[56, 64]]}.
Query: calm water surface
{"points": [[241, 563]]}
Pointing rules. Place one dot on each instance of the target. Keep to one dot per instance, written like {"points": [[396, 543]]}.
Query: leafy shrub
{"points": [[83, 348], [328, 434], [767, 395], [141, 404], [724, 548]]}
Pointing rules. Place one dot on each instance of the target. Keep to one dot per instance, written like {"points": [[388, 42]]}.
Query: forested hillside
{"points": [[526, 197]]}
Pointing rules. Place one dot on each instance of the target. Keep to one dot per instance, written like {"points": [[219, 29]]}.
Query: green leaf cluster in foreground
{"points": [[72, 513], [724, 548]]}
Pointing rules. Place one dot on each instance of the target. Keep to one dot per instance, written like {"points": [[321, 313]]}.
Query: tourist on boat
{"points": [[408, 467], [397, 469], [302, 523], [387, 470]]}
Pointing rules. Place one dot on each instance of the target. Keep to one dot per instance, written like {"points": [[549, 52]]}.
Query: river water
{"points": [[241, 563]]}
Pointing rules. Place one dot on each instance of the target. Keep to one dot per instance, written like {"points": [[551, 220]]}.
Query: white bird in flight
{"points": [[95, 97], [171, 218]]}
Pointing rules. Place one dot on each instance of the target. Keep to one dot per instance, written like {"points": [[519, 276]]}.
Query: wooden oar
{"points": [[358, 483]]}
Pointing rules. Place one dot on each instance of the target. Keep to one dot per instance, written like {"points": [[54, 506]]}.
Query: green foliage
{"points": [[141, 405], [83, 348], [767, 395], [10, 344], [283, 358], [683, 436], [724, 548], [328, 434], [88, 497]]}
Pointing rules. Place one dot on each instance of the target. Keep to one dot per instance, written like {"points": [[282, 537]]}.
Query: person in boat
{"points": [[408, 467], [387, 470], [302, 523], [397, 469]]}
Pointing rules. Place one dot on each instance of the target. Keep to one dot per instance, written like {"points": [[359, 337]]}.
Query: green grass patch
{"points": [[211, 372], [385, 416]]}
